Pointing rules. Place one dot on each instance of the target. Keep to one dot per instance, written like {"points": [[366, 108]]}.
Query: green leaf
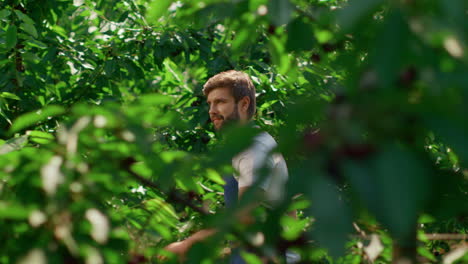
{"points": [[389, 58], [292, 227], [3, 62], [9, 96], [452, 131], [40, 137], [355, 11], [300, 35], [30, 29], [13, 144], [155, 99], [280, 11], [11, 37], [4, 13], [158, 204], [8, 211], [251, 258], [423, 251], [157, 9], [214, 176], [333, 216], [36, 43], [323, 36], [170, 156], [280, 57], [394, 185], [241, 39], [24, 17], [109, 67], [32, 118]]}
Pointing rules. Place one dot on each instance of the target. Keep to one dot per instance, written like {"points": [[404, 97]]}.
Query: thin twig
{"points": [[173, 194], [435, 236], [305, 14]]}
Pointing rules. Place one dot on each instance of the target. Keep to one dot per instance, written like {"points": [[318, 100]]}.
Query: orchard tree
{"points": [[107, 153]]}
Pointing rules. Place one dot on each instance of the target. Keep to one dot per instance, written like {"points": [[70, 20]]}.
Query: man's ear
{"points": [[244, 103]]}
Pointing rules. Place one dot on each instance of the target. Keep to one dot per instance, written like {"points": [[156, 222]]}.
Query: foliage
{"points": [[108, 154]]}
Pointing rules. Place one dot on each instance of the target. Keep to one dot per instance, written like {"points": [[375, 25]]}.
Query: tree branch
{"points": [[172, 195]]}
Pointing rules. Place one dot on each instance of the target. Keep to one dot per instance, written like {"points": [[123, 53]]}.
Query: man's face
{"points": [[223, 108]]}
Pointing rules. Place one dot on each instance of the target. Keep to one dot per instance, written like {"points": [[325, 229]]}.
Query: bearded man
{"points": [[231, 99]]}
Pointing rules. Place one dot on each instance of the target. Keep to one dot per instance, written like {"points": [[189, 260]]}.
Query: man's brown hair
{"points": [[238, 82]]}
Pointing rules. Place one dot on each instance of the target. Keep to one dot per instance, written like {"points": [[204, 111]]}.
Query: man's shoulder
{"points": [[265, 140]]}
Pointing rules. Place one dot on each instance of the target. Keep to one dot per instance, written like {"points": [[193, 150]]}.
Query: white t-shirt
{"points": [[259, 155]]}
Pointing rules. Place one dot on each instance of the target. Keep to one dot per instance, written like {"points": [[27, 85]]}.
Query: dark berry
{"points": [[271, 29], [328, 47], [312, 140], [315, 58]]}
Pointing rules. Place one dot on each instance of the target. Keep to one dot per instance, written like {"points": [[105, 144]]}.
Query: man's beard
{"points": [[232, 118]]}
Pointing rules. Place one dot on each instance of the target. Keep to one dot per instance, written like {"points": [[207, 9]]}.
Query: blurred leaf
{"points": [[355, 11], [26, 19], [395, 186], [300, 35], [278, 54], [9, 211], [155, 99], [11, 37], [293, 228], [423, 251], [214, 176], [36, 44], [30, 29], [251, 258], [332, 216], [389, 58], [374, 249], [109, 67], [280, 11], [100, 225], [13, 144], [32, 118], [4, 13], [452, 132], [170, 156], [157, 9], [159, 205], [9, 96], [40, 137], [35, 255]]}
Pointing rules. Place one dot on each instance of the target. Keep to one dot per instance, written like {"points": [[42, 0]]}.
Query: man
{"points": [[231, 99]]}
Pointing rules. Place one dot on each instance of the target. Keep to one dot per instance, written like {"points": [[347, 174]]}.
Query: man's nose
{"points": [[213, 109]]}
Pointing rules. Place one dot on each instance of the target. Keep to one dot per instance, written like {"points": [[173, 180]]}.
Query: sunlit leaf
{"points": [[157, 9], [30, 29], [9, 96], [32, 118]]}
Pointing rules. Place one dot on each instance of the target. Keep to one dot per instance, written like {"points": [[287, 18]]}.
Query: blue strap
{"points": [[231, 190]]}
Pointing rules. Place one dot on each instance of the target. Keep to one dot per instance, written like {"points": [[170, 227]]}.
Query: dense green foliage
{"points": [[107, 153]]}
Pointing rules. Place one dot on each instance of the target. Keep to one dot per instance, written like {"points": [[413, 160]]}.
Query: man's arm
{"points": [[246, 166], [181, 248]]}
